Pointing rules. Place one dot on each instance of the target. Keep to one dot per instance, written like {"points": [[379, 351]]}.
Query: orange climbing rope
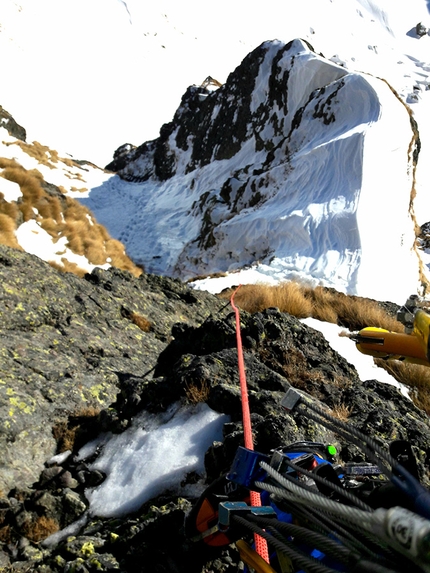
{"points": [[260, 542]]}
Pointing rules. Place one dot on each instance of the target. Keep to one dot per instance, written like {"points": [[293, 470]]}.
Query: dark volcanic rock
{"points": [[65, 344]]}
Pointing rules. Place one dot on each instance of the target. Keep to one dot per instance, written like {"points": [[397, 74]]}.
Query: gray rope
{"points": [[298, 494]]}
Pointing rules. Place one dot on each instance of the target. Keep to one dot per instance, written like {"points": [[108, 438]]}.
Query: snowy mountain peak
{"points": [[286, 167]]}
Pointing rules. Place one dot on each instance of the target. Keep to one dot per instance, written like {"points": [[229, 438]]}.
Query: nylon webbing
{"points": [[260, 543]]}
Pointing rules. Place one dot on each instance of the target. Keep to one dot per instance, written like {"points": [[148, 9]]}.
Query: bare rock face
{"points": [[12, 127], [214, 125], [66, 342]]}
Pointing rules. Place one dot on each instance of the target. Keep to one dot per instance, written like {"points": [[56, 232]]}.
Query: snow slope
{"points": [[106, 89]]}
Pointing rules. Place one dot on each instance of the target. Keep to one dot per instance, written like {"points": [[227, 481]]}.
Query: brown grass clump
{"points": [[341, 411], [95, 253], [116, 252], [140, 321], [41, 528], [6, 162], [5, 534], [51, 226], [197, 393], [51, 207], [294, 366], [64, 436], [414, 376], [68, 267], [76, 233], [86, 237], [9, 208], [65, 432], [296, 370], [351, 312], [74, 211], [288, 297], [60, 218], [7, 232], [43, 154], [321, 303], [29, 182]]}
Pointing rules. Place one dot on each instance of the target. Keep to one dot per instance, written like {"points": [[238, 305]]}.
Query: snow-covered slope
{"points": [[304, 164], [295, 165], [38, 210]]}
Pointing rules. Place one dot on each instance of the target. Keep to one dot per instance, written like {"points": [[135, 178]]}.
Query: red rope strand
{"points": [[260, 542]]}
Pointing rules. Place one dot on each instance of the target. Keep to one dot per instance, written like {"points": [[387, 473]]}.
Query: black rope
{"points": [[334, 487], [305, 562], [327, 526], [355, 432], [325, 544], [351, 434]]}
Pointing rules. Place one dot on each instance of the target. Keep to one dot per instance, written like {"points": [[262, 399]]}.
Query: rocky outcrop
{"points": [[66, 343], [12, 127], [214, 125], [84, 356]]}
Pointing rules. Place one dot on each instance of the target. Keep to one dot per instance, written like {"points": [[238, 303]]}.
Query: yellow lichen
{"points": [[21, 405], [87, 549]]}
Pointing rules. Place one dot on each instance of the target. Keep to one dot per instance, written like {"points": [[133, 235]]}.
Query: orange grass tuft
{"points": [[324, 304], [7, 232]]}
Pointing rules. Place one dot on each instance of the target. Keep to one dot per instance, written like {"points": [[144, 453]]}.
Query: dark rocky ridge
{"points": [[74, 363], [12, 127], [215, 124], [66, 342]]}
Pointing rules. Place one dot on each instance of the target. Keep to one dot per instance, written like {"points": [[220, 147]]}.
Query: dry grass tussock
{"points": [[328, 305], [323, 304], [65, 432], [60, 216], [197, 392], [414, 376], [295, 367], [341, 411], [7, 232], [68, 267], [143, 323], [43, 154], [40, 528]]}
